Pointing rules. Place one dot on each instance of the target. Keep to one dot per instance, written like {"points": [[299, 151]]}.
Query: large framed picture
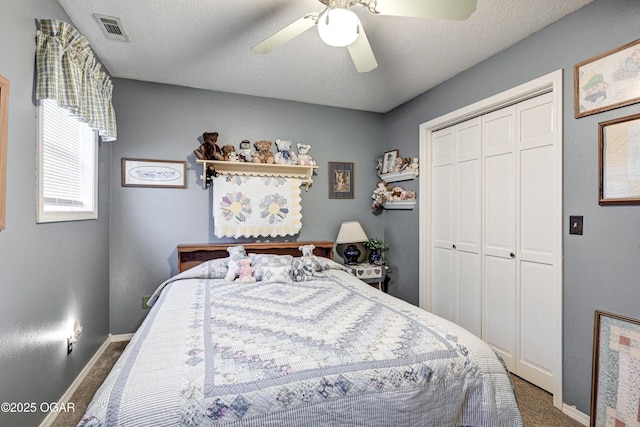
{"points": [[154, 173], [607, 81], [341, 180], [615, 394], [4, 123], [619, 161]]}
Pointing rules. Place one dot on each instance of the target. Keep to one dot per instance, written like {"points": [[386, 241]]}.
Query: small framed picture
{"points": [[618, 161], [389, 160], [340, 180], [154, 173]]}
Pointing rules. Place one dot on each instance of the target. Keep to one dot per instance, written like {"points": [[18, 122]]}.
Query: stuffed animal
{"points": [[415, 166], [245, 271], [245, 151], [263, 152], [307, 266], [307, 250], [379, 195], [285, 156], [233, 157], [406, 161], [303, 155], [209, 150], [227, 150]]}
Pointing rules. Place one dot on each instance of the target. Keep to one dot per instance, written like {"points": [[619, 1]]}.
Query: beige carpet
{"points": [[536, 405]]}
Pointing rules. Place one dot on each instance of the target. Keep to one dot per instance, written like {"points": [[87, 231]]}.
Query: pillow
{"points": [[305, 267], [216, 268], [259, 261], [280, 273], [329, 264]]}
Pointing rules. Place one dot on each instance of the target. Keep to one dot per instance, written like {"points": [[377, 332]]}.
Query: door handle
{"points": [[453, 246], [512, 255]]}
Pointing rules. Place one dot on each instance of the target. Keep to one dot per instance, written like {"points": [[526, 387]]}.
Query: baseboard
{"points": [[121, 337], [66, 397], [572, 412]]}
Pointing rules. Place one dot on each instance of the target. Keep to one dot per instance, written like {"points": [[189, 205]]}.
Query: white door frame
{"points": [[551, 82]]}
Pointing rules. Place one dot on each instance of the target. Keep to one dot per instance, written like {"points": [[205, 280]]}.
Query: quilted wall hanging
{"points": [[256, 206]]}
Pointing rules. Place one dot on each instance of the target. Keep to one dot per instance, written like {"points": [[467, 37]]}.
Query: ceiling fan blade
{"points": [[361, 53], [289, 32], [444, 9]]}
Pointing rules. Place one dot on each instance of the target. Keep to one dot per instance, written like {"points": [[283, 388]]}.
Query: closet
{"points": [[493, 226]]}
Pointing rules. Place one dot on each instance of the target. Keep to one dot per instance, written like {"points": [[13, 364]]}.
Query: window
{"points": [[67, 166]]}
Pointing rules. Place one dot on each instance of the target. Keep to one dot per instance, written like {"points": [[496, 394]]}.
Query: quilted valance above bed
{"points": [[256, 206]]}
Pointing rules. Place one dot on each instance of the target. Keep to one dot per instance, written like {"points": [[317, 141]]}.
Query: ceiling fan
{"points": [[339, 26]]}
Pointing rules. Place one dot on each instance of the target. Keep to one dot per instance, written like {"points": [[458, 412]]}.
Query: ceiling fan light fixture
{"points": [[339, 27]]}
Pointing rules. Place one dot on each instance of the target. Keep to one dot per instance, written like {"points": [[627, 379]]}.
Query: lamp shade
{"points": [[351, 232], [339, 27]]}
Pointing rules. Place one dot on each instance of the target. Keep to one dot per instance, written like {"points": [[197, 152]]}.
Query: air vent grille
{"points": [[112, 27]]}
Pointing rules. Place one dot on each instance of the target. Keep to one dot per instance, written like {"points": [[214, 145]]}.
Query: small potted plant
{"points": [[375, 246]]}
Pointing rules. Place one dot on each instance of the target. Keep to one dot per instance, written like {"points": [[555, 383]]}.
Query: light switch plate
{"points": [[575, 224]]}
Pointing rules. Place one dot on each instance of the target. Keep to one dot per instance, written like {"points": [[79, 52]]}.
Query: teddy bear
{"points": [[245, 151], [209, 150], [415, 166], [379, 195], [263, 152], [303, 155], [396, 193], [307, 266], [227, 150], [285, 156], [245, 271]]}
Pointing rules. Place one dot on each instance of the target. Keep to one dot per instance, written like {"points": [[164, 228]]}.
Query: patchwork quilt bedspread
{"points": [[330, 351]]}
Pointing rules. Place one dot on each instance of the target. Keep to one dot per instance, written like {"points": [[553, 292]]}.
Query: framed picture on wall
{"points": [[341, 180], [4, 123], [154, 173], [607, 81], [619, 161], [616, 363]]}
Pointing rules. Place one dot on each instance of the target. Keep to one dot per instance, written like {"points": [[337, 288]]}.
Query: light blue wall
{"points": [[53, 273], [164, 122], [50, 274], [601, 268]]}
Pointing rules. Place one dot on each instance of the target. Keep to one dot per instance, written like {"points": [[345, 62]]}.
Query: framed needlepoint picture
{"points": [[340, 180]]}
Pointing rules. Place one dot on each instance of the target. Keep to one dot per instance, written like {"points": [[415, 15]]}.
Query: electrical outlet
{"points": [[575, 225], [145, 300]]}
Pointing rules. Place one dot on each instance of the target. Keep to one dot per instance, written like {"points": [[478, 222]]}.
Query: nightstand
{"points": [[370, 273]]}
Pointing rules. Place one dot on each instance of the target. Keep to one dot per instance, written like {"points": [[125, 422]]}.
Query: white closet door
{"points": [[499, 232], [536, 253], [443, 295], [467, 235], [456, 267]]}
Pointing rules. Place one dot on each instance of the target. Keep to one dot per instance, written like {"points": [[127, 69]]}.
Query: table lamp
{"points": [[351, 232]]}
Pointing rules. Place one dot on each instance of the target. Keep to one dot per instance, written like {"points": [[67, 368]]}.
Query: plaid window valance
{"points": [[68, 72]]}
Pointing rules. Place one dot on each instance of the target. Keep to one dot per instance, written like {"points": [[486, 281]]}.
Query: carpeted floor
{"points": [[536, 405]]}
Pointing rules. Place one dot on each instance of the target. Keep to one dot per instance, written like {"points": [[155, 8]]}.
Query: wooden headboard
{"points": [[190, 255]]}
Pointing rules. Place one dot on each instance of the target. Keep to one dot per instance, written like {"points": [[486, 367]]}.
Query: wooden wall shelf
{"points": [[211, 167]]}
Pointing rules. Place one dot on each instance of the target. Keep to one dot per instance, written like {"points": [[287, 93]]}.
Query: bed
{"points": [[311, 347]]}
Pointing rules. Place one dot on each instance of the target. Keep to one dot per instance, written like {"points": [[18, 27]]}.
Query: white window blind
{"points": [[67, 178]]}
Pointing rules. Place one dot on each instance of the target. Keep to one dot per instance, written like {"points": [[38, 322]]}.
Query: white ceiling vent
{"points": [[112, 27]]}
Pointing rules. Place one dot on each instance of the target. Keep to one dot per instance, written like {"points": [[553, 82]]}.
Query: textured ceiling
{"points": [[205, 44]]}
